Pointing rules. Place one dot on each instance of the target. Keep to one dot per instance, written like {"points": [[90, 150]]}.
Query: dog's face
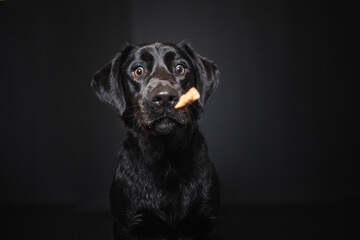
{"points": [[143, 83]]}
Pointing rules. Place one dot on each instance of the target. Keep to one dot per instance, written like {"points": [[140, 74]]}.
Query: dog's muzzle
{"points": [[165, 97]]}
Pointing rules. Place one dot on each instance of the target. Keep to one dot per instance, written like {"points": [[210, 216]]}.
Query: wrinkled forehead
{"points": [[156, 50], [159, 54]]}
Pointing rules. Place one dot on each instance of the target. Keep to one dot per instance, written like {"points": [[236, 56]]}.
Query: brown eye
{"points": [[139, 71], [180, 69]]}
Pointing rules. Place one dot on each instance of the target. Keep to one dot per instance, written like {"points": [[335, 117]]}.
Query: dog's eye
{"points": [[139, 71], [180, 69]]}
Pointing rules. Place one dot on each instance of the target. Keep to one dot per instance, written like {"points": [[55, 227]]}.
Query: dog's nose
{"points": [[164, 97]]}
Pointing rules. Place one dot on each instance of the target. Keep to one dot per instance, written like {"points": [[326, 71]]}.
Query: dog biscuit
{"points": [[191, 96]]}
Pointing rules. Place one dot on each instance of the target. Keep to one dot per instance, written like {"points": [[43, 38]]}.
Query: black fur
{"points": [[165, 186]]}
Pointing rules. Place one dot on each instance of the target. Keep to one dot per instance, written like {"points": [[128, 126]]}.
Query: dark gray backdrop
{"points": [[281, 127]]}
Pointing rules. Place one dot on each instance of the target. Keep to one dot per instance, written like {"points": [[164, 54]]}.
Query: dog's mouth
{"points": [[161, 121], [164, 125]]}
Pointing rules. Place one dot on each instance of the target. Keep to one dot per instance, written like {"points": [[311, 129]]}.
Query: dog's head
{"points": [[143, 83]]}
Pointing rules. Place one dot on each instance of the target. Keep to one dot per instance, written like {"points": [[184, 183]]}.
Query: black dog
{"points": [[165, 186]]}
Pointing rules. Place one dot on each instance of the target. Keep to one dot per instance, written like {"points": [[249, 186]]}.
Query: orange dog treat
{"points": [[191, 96]]}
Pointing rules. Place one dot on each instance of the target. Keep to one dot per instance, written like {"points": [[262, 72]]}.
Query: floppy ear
{"points": [[107, 84], [207, 73], [208, 79]]}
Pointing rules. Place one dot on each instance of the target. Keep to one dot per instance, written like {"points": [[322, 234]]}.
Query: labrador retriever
{"points": [[165, 186]]}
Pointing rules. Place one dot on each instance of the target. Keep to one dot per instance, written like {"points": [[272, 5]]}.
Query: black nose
{"points": [[164, 96]]}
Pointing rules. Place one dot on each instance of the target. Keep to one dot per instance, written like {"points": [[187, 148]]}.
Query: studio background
{"points": [[281, 128]]}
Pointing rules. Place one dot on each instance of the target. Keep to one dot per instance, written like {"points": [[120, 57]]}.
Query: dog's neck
{"points": [[172, 148]]}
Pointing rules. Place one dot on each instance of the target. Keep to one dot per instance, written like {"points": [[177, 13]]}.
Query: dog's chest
{"points": [[160, 184], [168, 196], [168, 191]]}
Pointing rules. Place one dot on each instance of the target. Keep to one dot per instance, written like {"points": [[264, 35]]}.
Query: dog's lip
{"points": [[165, 118]]}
